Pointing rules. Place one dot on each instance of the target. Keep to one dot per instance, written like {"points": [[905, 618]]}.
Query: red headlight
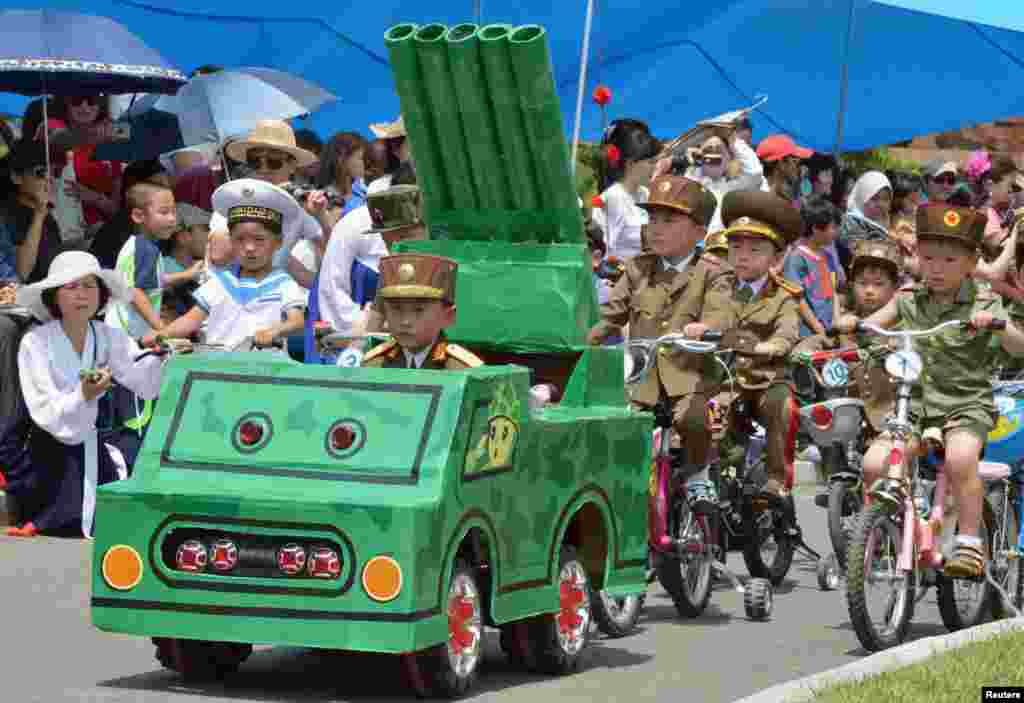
{"points": [[342, 438], [822, 416], [324, 563], [223, 555], [291, 559], [191, 556], [250, 433]]}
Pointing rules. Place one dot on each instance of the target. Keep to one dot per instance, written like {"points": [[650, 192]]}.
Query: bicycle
{"points": [[902, 543], [685, 545]]}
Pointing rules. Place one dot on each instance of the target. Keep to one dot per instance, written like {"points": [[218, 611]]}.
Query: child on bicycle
{"points": [[956, 406], [251, 298], [667, 289], [875, 272]]}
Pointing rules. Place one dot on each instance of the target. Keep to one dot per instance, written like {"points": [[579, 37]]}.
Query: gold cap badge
{"points": [[952, 219], [406, 272], [666, 186]]}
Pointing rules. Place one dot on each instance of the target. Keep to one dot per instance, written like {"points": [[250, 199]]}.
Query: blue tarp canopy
{"points": [[668, 63]]}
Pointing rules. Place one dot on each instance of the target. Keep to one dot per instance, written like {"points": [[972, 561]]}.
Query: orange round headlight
{"points": [[122, 567], [382, 579]]}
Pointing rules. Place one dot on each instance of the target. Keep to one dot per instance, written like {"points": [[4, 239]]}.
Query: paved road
{"points": [[51, 653]]}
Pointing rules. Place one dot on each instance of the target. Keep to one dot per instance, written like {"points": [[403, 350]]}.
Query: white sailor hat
{"points": [[250, 200]]}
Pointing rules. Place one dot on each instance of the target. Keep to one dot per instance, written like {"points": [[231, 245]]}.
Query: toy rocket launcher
{"points": [[485, 129]]}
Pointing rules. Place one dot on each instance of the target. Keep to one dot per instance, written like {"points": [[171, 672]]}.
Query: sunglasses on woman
{"points": [[272, 163], [38, 172], [947, 180]]}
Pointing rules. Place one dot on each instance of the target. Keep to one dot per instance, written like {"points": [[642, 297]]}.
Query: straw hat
{"points": [[271, 134], [65, 268], [389, 130]]}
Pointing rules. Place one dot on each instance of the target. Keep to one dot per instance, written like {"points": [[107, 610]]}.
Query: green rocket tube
{"points": [[508, 116], [542, 116], [418, 121], [477, 117], [441, 99]]}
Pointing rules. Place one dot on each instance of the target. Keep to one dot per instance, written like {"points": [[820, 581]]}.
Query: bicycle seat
{"points": [[993, 471]]}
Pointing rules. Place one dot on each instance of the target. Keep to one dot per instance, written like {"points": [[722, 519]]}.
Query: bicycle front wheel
{"points": [[880, 598]]}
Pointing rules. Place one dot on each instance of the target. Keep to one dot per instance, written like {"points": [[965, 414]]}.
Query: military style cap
{"points": [[682, 195], [250, 200], [962, 224], [760, 214], [417, 276], [395, 208], [716, 241], [882, 253]]}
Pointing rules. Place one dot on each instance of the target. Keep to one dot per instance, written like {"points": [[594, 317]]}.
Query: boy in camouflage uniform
{"points": [[766, 313], [956, 406], [670, 288], [417, 298]]}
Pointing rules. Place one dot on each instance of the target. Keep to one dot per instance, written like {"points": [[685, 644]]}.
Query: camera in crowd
{"points": [[301, 191]]}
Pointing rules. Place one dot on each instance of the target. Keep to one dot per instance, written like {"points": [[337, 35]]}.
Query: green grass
{"points": [[953, 677]]}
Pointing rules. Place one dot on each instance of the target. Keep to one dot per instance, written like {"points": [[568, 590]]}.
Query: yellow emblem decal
{"points": [[952, 219], [406, 272]]}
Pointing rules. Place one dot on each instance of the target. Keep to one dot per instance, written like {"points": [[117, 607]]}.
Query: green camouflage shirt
{"points": [[958, 363]]}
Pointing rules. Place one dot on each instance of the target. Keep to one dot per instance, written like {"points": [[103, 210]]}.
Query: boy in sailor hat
{"points": [[250, 298], [417, 299]]}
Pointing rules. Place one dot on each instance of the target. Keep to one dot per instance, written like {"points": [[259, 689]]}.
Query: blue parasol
{"points": [[66, 53]]}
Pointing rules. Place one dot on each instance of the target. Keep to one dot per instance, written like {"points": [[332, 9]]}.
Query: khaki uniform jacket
{"points": [[773, 316], [656, 302], [868, 381], [443, 355], [958, 363]]}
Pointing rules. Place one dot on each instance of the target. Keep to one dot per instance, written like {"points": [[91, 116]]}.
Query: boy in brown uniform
{"points": [[417, 298], [956, 405], [875, 272], [666, 290], [766, 312]]}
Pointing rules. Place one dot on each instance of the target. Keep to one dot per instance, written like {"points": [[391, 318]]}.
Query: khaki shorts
{"points": [[978, 419]]}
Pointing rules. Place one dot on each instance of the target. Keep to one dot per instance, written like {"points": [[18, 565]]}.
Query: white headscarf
{"points": [[866, 187]]}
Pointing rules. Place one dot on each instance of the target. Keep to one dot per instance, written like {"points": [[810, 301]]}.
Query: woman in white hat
{"points": [[66, 366]]}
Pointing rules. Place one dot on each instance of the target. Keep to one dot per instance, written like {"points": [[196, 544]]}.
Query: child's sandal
{"points": [[967, 562]]}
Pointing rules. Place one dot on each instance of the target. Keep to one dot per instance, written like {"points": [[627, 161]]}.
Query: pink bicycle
{"points": [[897, 548]]}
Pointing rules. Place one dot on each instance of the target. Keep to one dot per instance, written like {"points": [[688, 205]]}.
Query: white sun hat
{"points": [[65, 268]]}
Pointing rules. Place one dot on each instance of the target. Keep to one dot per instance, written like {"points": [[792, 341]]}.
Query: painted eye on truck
{"points": [[252, 433], [345, 437]]}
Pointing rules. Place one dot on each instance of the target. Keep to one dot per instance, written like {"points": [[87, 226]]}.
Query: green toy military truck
{"points": [[402, 511]]}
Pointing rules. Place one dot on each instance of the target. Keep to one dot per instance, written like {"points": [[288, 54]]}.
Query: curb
{"points": [[803, 690]]}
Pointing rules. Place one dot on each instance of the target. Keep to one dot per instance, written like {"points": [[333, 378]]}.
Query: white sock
{"points": [[967, 541]]}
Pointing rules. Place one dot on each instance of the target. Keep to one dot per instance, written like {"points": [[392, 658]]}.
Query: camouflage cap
{"points": [[682, 195], [395, 208], [716, 241], [960, 224], [417, 276], [760, 214], [884, 253]]}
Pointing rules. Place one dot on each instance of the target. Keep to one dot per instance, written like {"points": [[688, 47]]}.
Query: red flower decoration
{"points": [[602, 95], [597, 201], [613, 155]]}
